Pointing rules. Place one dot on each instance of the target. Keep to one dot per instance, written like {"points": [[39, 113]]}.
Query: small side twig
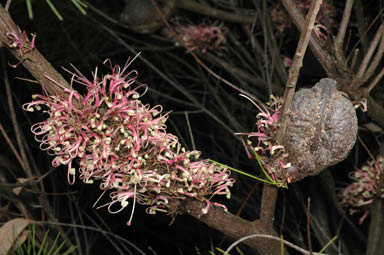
{"points": [[375, 243], [15, 123], [36, 64], [298, 19], [215, 13], [364, 64], [342, 29], [246, 199], [13, 148], [309, 226], [376, 80], [361, 25], [296, 65], [376, 60], [299, 249], [354, 59], [7, 5]]}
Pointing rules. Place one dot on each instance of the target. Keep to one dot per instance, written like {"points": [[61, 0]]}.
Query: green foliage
{"points": [[46, 247], [78, 3]]}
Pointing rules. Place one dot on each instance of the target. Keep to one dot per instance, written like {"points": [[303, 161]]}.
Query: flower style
{"points": [[266, 148], [122, 143], [20, 40], [202, 37], [368, 185]]}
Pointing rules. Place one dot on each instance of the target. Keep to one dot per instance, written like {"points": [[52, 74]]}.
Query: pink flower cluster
{"points": [[368, 185], [123, 143], [325, 18], [266, 147], [202, 37], [20, 40]]}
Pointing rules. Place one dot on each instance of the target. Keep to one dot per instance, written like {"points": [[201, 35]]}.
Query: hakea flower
{"points": [[121, 142], [19, 40], [324, 20], [202, 37], [367, 186], [265, 147]]}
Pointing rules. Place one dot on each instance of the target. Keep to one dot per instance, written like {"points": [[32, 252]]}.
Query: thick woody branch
{"points": [[268, 205], [233, 226]]}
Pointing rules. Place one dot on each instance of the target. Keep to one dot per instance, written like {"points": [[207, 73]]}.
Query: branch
{"points": [[296, 65], [254, 80], [215, 13], [376, 231], [339, 42], [376, 80], [297, 248], [375, 110], [33, 61], [376, 60], [361, 25], [364, 64], [233, 226], [298, 18], [268, 205]]}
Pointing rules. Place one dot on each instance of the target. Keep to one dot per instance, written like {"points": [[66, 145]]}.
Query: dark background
{"points": [[87, 40]]}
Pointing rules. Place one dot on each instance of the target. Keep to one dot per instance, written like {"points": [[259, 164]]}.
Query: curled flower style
{"points": [[265, 147], [121, 142], [367, 186]]}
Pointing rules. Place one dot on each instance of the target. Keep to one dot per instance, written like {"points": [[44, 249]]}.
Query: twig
{"points": [[201, 63], [365, 147], [376, 60], [364, 35], [297, 18], [268, 205], [342, 29], [231, 225], [375, 110], [274, 50], [15, 123], [309, 226], [256, 81], [7, 5], [299, 249], [376, 80], [190, 130], [354, 59], [215, 13], [364, 64], [246, 199], [36, 64], [376, 232], [296, 65], [361, 24], [10, 144]]}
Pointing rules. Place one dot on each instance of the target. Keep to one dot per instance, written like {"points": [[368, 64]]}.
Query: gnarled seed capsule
{"points": [[321, 130]]}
